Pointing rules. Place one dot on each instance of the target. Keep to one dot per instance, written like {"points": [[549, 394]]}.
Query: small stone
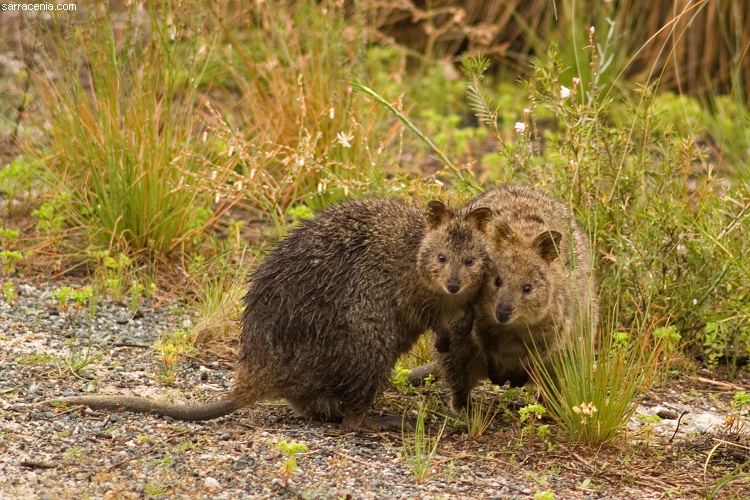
{"points": [[697, 428], [667, 414], [211, 483]]}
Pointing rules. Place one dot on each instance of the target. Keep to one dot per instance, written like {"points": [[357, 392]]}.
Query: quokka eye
{"points": [[527, 289], [469, 261], [498, 282], [441, 258]]}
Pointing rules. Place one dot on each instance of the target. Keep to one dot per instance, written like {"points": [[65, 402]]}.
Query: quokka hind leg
{"points": [[461, 376]]}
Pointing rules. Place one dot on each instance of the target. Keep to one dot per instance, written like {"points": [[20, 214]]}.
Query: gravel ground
{"points": [[52, 453]]}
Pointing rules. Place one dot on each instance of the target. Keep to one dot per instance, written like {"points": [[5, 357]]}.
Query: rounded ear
{"points": [[548, 245], [480, 217], [437, 213], [501, 231]]}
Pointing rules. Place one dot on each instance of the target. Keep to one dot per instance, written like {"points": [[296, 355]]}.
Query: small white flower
{"points": [[576, 81], [345, 139], [526, 111], [564, 92], [332, 113], [592, 30], [520, 127]]}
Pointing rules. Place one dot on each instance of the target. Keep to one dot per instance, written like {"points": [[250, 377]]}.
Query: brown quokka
{"points": [[334, 305], [539, 289]]}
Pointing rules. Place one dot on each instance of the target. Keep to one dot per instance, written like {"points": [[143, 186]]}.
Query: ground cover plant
{"points": [[152, 153]]}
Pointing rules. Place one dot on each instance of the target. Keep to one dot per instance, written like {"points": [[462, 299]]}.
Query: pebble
{"points": [[211, 483], [667, 414]]}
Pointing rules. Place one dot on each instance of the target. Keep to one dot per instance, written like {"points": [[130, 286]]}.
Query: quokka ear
{"points": [[437, 214], [502, 232], [548, 245], [480, 217]]}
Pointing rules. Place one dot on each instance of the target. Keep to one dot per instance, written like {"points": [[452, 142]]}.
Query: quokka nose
{"points": [[454, 286], [503, 313]]}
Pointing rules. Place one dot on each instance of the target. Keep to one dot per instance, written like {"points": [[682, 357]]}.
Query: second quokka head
{"points": [[525, 278]]}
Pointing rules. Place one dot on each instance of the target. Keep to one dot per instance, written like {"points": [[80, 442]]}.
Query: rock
{"points": [[211, 484], [667, 414]]}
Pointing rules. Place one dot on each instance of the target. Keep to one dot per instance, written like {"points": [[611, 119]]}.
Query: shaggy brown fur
{"points": [[335, 304], [539, 286]]}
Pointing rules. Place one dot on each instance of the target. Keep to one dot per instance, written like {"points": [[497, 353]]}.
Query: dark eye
{"points": [[498, 282], [527, 289], [469, 261], [441, 258]]}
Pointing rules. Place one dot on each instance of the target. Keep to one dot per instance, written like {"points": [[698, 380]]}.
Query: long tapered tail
{"points": [[206, 411]]}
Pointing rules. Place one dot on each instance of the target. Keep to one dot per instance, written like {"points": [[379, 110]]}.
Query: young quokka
{"points": [[539, 288], [334, 305], [452, 258]]}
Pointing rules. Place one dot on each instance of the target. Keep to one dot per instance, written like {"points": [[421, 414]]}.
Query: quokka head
{"points": [[452, 255], [523, 275]]}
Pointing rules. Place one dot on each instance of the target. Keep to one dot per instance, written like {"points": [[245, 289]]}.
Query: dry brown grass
{"points": [[694, 46], [698, 46]]}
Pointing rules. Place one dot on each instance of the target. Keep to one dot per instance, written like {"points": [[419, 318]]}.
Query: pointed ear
{"points": [[502, 232], [480, 217], [548, 245], [437, 213]]}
